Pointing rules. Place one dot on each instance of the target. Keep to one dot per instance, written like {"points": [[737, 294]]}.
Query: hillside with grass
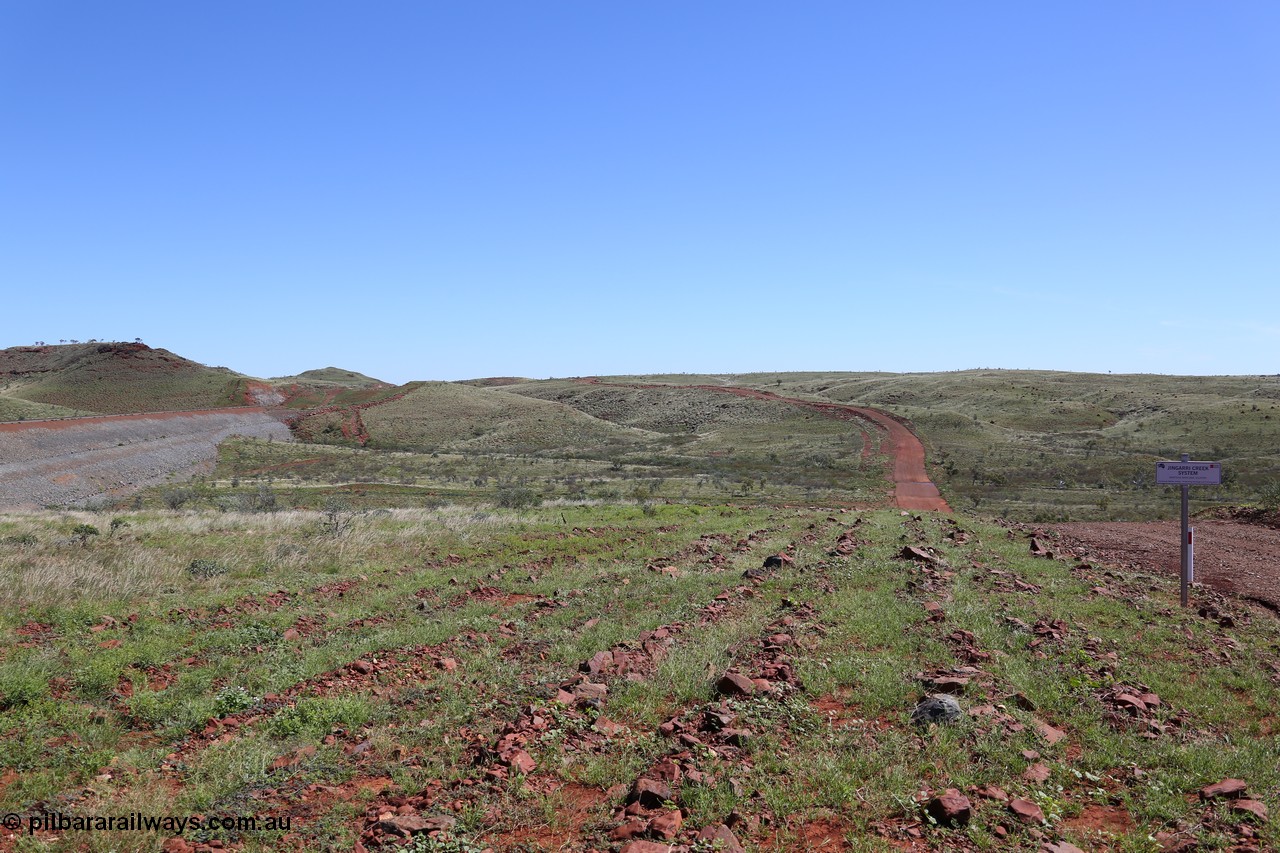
{"points": [[1055, 446], [116, 378]]}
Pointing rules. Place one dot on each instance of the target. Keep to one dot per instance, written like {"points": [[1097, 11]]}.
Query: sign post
{"points": [[1187, 474]]}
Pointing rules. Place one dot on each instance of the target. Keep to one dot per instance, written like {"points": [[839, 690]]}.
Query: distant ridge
{"points": [[116, 378], [333, 375]]}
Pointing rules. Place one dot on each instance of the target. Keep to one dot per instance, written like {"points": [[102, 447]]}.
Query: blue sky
{"points": [[443, 190]]}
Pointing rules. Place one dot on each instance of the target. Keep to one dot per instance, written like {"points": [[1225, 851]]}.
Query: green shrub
{"points": [[205, 569], [233, 699], [516, 497]]}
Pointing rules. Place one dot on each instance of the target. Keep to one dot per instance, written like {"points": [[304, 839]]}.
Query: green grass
{"points": [[1050, 445], [116, 378], [118, 656]]}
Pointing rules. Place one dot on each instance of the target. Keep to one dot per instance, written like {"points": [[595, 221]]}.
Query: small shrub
{"points": [[1269, 497], [232, 699], [203, 569], [21, 540], [177, 498], [84, 532], [517, 497], [21, 687]]}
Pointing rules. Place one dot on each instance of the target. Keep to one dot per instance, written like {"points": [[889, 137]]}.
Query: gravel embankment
{"points": [[67, 463]]}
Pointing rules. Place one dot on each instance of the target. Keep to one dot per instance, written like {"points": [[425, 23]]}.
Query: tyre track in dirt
{"points": [[75, 460], [912, 488]]}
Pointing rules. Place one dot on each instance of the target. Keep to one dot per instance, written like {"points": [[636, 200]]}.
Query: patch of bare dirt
{"points": [[1233, 557]]}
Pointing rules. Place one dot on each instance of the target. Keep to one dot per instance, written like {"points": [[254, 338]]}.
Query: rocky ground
{"points": [[70, 462]]}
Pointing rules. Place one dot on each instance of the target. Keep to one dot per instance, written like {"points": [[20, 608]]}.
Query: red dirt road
{"points": [[912, 488], [72, 423]]}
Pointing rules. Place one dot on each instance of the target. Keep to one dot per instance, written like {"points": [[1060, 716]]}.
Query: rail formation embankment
{"points": [[73, 461]]}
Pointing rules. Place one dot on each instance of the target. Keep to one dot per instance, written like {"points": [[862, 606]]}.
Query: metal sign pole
{"points": [[1185, 564]]}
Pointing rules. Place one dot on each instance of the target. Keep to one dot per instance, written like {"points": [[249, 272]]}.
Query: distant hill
{"points": [[452, 416], [331, 375], [115, 378]]}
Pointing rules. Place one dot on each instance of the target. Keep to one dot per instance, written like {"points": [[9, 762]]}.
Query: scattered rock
{"points": [[1229, 789], [645, 847], [735, 684], [1036, 774], [1253, 807], [920, 555], [293, 759], [950, 808], [937, 709], [666, 825], [1026, 811], [649, 793], [1060, 847], [723, 835], [633, 828]]}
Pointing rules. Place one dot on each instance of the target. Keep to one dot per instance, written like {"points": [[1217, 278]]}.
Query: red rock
{"points": [[667, 771], [1026, 811], [666, 825], [1230, 789], [934, 611], [991, 792], [292, 634], [1131, 703], [950, 684], [735, 684], [405, 824], [728, 842], [631, 829], [1253, 807], [1037, 773], [590, 692], [1048, 732], [1061, 847], [650, 793], [910, 552], [645, 847], [361, 666], [608, 727], [599, 662], [950, 808], [521, 761], [293, 759], [175, 845], [110, 644], [447, 664]]}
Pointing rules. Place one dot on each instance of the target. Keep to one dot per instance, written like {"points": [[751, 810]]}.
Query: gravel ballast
{"points": [[68, 463]]}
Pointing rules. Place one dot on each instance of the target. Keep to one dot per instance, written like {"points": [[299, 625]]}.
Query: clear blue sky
{"points": [[442, 190]]}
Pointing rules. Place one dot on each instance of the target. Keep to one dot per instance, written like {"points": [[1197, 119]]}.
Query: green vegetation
{"points": [[1056, 446], [115, 378], [231, 692]]}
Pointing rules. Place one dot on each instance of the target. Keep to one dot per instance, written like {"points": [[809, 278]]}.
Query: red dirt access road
{"points": [[912, 487], [72, 423]]}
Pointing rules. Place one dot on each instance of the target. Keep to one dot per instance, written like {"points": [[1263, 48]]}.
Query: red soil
{"points": [[70, 423]]}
